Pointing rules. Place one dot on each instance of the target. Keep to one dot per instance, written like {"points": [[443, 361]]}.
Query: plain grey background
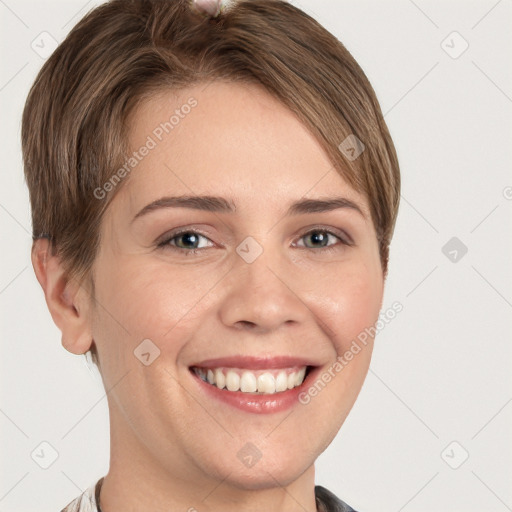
{"points": [[431, 428]]}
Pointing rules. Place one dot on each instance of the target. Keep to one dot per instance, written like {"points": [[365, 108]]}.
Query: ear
{"points": [[67, 301]]}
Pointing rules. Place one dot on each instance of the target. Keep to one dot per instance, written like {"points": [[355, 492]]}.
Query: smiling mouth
{"points": [[259, 382]]}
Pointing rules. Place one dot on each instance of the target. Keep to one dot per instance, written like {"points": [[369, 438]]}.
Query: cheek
{"points": [[346, 304], [144, 299], [349, 302]]}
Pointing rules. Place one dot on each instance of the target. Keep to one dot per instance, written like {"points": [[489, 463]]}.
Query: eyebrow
{"points": [[222, 205]]}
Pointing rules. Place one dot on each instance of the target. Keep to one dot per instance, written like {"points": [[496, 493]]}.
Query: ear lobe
{"points": [[66, 299]]}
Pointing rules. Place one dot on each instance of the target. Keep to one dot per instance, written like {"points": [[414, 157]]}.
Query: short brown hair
{"points": [[74, 127]]}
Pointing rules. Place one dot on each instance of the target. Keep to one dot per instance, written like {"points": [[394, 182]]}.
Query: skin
{"points": [[171, 447]]}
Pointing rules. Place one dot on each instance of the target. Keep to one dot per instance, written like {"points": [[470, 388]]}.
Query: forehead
{"points": [[230, 139]]}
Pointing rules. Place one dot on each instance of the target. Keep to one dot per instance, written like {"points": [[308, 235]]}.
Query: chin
{"points": [[265, 473]]}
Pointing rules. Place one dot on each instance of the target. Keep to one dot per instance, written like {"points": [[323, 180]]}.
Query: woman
{"points": [[213, 194]]}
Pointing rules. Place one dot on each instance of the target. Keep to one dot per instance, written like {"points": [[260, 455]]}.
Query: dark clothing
{"points": [[326, 501]]}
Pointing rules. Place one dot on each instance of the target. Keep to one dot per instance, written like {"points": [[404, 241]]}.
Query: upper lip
{"points": [[256, 363]]}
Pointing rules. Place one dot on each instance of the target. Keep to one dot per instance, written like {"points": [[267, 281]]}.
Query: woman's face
{"points": [[258, 287]]}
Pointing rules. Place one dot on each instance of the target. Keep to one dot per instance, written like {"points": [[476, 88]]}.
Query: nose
{"points": [[263, 295]]}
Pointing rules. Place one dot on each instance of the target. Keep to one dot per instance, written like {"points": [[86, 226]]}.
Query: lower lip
{"points": [[256, 403]]}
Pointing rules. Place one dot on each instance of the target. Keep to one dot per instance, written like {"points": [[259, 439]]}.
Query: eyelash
{"points": [[164, 244]]}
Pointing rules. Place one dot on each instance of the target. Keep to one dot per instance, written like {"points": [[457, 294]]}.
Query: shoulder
{"points": [[326, 501], [86, 502]]}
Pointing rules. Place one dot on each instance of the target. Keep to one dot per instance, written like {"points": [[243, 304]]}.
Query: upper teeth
{"points": [[261, 381]]}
